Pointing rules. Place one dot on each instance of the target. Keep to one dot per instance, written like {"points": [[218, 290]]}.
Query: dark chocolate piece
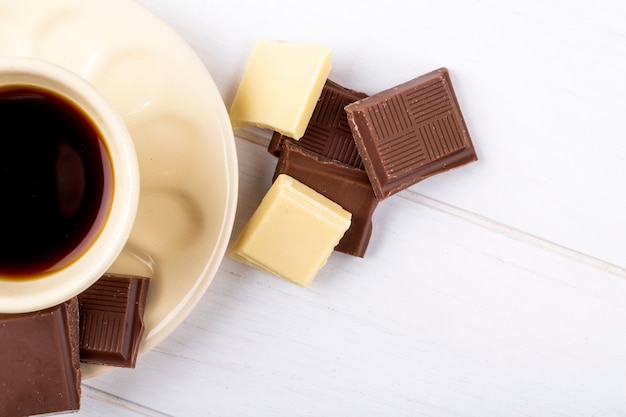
{"points": [[39, 361], [410, 132], [347, 186], [111, 320], [328, 132]]}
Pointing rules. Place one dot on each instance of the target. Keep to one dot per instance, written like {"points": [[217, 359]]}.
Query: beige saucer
{"points": [[181, 131]]}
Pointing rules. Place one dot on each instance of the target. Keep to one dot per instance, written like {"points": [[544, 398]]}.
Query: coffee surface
{"points": [[55, 181]]}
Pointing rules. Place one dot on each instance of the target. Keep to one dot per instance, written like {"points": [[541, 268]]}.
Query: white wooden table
{"points": [[493, 290]]}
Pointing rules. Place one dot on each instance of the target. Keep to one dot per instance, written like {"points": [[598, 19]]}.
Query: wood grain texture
{"points": [[493, 290]]}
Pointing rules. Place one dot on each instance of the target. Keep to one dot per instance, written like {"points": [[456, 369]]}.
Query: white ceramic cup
{"points": [[53, 287]]}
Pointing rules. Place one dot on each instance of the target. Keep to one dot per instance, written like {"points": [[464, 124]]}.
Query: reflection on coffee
{"points": [[55, 181]]}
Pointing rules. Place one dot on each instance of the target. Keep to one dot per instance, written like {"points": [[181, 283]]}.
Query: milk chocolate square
{"points": [[39, 361], [328, 133], [410, 132], [111, 320]]}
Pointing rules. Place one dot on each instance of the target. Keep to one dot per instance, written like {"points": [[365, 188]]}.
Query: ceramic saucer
{"points": [[181, 132]]}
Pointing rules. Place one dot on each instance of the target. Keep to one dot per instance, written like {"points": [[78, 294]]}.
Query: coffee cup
{"points": [[69, 184]]}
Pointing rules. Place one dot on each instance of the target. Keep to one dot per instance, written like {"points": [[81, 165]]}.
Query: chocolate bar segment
{"points": [[328, 132], [111, 320], [39, 361], [347, 186], [410, 132]]}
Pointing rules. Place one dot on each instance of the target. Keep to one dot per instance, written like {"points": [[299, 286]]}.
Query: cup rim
{"points": [[19, 296]]}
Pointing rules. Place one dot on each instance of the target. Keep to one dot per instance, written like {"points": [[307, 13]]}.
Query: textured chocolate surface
{"points": [[410, 132], [39, 361], [111, 320], [347, 186], [328, 132]]}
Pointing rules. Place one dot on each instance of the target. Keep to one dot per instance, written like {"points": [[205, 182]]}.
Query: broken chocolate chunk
{"points": [[328, 133], [111, 320]]}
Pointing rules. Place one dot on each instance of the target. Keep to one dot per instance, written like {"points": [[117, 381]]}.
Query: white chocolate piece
{"points": [[281, 86], [292, 233]]}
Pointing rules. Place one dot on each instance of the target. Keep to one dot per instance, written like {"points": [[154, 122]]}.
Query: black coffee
{"points": [[55, 181]]}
